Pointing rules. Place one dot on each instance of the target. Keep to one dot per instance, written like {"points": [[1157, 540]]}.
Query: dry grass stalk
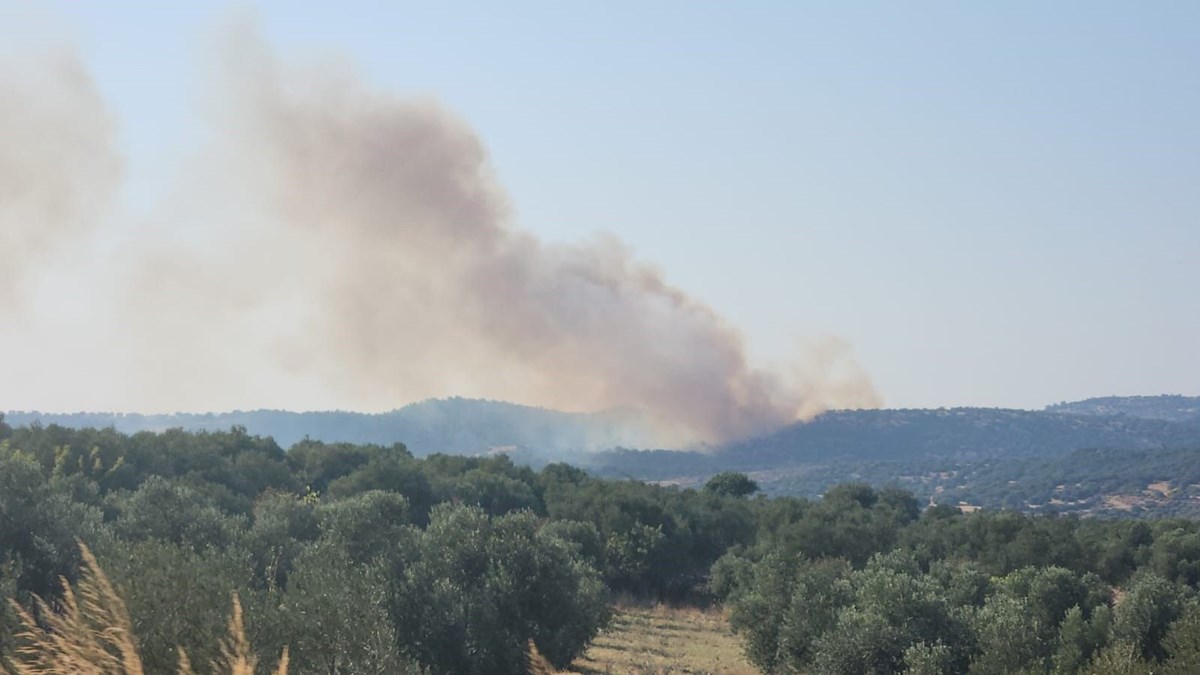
{"points": [[92, 634], [536, 663], [237, 658]]}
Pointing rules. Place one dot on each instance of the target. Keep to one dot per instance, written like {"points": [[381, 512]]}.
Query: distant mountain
{"points": [[1174, 408], [995, 458], [991, 456], [956, 434], [1157, 482], [454, 425]]}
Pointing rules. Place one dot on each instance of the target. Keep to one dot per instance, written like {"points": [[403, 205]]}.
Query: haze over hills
{"points": [[1168, 407], [454, 425], [471, 426], [1111, 455], [926, 451]]}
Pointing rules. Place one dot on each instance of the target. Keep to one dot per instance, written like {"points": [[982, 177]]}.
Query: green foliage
{"points": [[1008, 639], [1079, 639], [893, 608], [1182, 642], [819, 592], [283, 525], [391, 471], [173, 512], [476, 587], [1143, 617], [731, 484], [366, 526], [177, 597], [930, 659], [333, 617], [1175, 555], [823, 616], [495, 493], [367, 559], [39, 526]]}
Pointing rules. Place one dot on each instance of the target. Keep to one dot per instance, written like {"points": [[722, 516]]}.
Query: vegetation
{"points": [[364, 558], [93, 635], [454, 425], [862, 583], [1173, 407], [658, 639], [358, 558]]}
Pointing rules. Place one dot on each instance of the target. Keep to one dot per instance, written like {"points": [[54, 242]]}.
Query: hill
{"points": [[1172, 407], [455, 426], [982, 456], [958, 433], [994, 458], [912, 436]]}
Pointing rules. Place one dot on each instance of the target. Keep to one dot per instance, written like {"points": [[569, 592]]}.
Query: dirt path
{"points": [[664, 641]]}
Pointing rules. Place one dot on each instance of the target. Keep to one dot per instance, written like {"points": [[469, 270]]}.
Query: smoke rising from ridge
{"points": [[360, 239]]}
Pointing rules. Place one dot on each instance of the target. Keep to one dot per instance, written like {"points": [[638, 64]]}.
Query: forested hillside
{"points": [[979, 456], [1031, 460], [454, 425], [467, 426], [1174, 407], [365, 558]]}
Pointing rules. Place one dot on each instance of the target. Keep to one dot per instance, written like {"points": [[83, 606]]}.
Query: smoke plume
{"points": [[360, 239], [58, 163]]}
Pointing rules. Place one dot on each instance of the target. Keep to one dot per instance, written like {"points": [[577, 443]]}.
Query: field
{"points": [[665, 640]]}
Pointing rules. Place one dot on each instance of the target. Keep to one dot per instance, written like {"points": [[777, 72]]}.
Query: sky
{"points": [[988, 204]]}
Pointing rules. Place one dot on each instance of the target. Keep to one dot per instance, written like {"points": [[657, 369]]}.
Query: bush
{"points": [[476, 588]]}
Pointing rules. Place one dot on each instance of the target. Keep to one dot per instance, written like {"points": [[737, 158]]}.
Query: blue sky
{"points": [[992, 203]]}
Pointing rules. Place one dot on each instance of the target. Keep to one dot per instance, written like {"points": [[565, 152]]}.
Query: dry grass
{"points": [[92, 634], [536, 664], [662, 640]]}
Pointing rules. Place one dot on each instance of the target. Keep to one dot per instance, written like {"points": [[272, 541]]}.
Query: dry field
{"points": [[662, 640]]}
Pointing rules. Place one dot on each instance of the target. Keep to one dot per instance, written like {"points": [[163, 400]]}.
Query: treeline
{"points": [[865, 582], [1166, 407], [1142, 483], [359, 558], [1115, 482], [363, 558], [802, 459], [453, 426]]}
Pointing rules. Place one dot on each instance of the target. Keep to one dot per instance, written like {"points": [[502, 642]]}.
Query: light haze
{"points": [[990, 205]]}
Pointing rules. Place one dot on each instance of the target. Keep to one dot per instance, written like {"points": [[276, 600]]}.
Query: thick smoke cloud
{"points": [[427, 278], [59, 166], [359, 240]]}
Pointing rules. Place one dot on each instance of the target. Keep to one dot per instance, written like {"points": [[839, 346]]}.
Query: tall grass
{"points": [[90, 633]]}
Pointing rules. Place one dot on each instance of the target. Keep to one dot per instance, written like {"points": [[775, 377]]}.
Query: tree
{"points": [[731, 484], [170, 511], [1143, 617], [283, 525], [475, 589], [333, 616], [1182, 643], [177, 597], [40, 527], [1009, 639], [1079, 639], [367, 526]]}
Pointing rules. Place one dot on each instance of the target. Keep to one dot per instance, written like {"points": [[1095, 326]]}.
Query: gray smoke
{"points": [[425, 279], [359, 239], [59, 166]]}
